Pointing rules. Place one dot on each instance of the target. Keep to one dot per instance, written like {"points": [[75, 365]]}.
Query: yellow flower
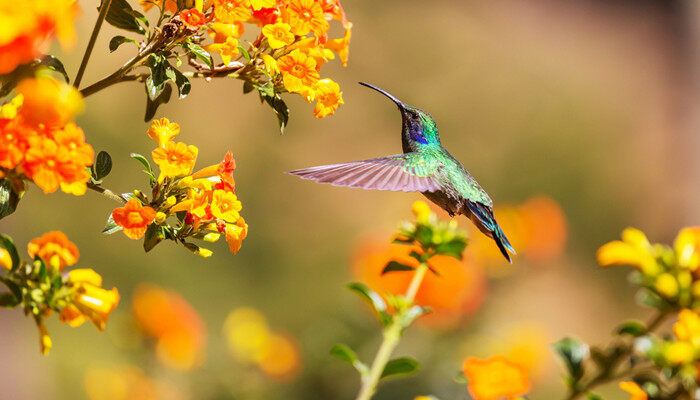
{"points": [[5, 259], [328, 98], [341, 46], [667, 285], [633, 389], [678, 353], [9, 110], [225, 205], [228, 49], [220, 31], [278, 35], [305, 16], [49, 101], [258, 4], [634, 250], [298, 71], [175, 159], [89, 299], [687, 328], [495, 378], [270, 65], [687, 247], [246, 333], [421, 211], [198, 195], [163, 131], [231, 11], [235, 235]]}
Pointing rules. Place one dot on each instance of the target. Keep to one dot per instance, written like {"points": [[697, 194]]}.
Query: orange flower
{"points": [[235, 235], [225, 205], [175, 159], [544, 229], [634, 390], [495, 378], [305, 16], [163, 131], [220, 31], [341, 46], [231, 11], [178, 329], [55, 249], [298, 71], [48, 165], [25, 27], [89, 300], [280, 358], [194, 18], [258, 4], [328, 98], [14, 141], [457, 292], [278, 35], [134, 218], [227, 49], [48, 101], [72, 138]]}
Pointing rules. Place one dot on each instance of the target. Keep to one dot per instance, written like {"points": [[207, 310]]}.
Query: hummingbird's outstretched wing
{"points": [[409, 172]]}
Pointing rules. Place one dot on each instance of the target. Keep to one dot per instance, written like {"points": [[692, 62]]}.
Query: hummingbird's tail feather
{"points": [[385, 173], [483, 218]]}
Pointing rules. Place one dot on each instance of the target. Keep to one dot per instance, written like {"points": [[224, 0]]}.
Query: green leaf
{"points": [[117, 41], [401, 366], [201, 54], [8, 198], [394, 266], [54, 64], [8, 300], [152, 105], [244, 52], [43, 271], [143, 161], [593, 396], [248, 87], [280, 108], [402, 240], [155, 83], [7, 243], [344, 353], [111, 226], [182, 83], [373, 299], [461, 378], [424, 234], [16, 291], [121, 15], [573, 353], [454, 248], [103, 165], [154, 235], [632, 328], [413, 313]]}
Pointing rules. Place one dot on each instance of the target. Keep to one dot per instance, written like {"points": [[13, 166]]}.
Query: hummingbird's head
{"points": [[418, 125]]}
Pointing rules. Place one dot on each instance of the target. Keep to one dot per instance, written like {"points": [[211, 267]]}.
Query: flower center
{"points": [[306, 14], [172, 158], [51, 163], [298, 70]]}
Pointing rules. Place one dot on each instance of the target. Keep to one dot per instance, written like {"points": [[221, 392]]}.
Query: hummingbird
{"points": [[425, 166]]}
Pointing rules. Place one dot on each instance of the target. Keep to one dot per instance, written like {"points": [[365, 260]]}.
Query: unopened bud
{"points": [[160, 217], [202, 252], [170, 201], [211, 237]]}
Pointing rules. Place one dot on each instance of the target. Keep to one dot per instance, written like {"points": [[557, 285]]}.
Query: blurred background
{"points": [[579, 118]]}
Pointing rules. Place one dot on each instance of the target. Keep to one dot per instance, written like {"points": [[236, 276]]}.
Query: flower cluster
{"points": [[203, 204], [669, 274], [286, 55], [27, 25], [41, 286], [175, 325], [38, 141], [251, 340]]}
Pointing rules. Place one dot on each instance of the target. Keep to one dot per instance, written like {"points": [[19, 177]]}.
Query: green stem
{"points": [[392, 336], [104, 8], [607, 375], [106, 192]]}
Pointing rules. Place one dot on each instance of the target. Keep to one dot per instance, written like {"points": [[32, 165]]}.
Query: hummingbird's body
{"points": [[425, 166]]}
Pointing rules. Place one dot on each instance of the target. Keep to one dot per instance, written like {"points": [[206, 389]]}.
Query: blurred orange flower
{"points": [[5, 259], [49, 101], [55, 249], [458, 290], [634, 390], [173, 322], [89, 299], [134, 218], [125, 382], [495, 378], [250, 339], [26, 26]]}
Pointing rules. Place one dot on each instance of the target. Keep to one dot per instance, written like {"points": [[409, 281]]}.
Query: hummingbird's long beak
{"points": [[385, 93]]}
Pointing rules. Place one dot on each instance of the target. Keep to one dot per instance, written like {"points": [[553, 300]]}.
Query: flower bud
{"points": [[160, 217], [211, 237], [667, 285], [170, 201], [677, 353], [202, 252], [421, 211]]}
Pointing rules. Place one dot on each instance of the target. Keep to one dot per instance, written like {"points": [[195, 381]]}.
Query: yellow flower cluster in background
{"points": [[250, 339]]}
